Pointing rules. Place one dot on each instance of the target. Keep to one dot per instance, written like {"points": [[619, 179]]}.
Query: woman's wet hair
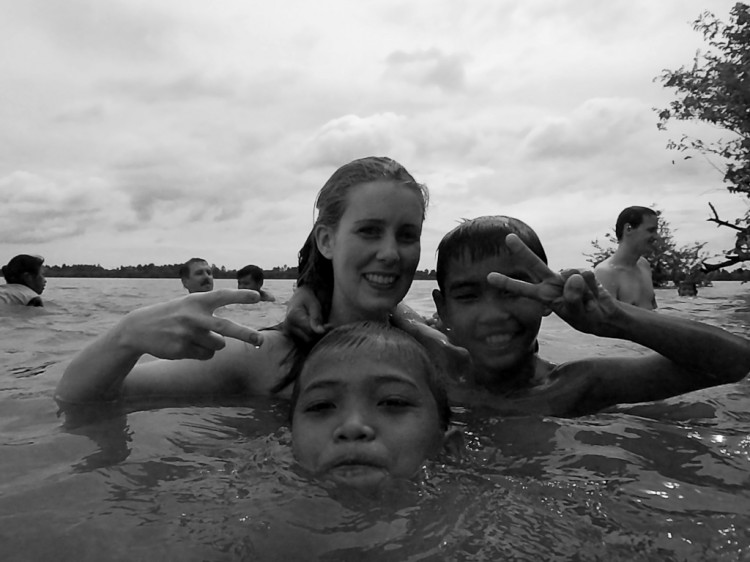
{"points": [[23, 263], [481, 238], [315, 270], [368, 339]]}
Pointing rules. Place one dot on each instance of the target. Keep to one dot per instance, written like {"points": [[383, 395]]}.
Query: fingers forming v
{"points": [[231, 329], [222, 297]]}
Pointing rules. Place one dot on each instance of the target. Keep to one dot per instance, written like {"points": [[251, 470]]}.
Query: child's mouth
{"points": [[498, 339]]}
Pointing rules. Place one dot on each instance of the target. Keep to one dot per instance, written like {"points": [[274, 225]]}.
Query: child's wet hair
{"points": [[481, 238], [368, 338]]}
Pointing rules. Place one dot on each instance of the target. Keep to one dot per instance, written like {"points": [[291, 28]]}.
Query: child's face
{"points": [[361, 423], [498, 329]]}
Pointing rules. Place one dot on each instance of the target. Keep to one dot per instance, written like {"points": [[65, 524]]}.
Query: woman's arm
{"points": [[182, 329]]}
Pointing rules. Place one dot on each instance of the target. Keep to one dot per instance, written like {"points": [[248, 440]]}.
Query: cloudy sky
{"points": [[146, 131]]}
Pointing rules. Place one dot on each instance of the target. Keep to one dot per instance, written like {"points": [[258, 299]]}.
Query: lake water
{"points": [[671, 482]]}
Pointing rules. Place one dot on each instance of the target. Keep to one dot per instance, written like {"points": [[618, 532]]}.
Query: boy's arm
{"points": [[691, 354], [184, 328]]}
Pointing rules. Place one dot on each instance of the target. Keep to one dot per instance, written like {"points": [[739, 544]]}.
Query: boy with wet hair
{"points": [[252, 277], [494, 290], [369, 406]]}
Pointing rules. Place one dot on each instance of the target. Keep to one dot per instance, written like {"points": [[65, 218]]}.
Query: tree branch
{"points": [[720, 222]]}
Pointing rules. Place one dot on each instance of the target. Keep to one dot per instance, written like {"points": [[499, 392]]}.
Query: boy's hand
{"points": [[304, 317], [575, 296], [186, 328]]}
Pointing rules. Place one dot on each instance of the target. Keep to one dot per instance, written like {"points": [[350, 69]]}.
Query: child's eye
{"points": [[319, 407], [395, 402], [465, 297]]}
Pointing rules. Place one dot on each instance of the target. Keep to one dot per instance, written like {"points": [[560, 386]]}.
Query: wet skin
{"points": [[375, 250], [366, 424]]}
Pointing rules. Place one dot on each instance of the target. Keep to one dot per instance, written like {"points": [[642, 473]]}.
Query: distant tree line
{"points": [[172, 271]]}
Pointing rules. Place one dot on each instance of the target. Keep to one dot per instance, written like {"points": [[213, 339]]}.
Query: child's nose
{"points": [[354, 427]]}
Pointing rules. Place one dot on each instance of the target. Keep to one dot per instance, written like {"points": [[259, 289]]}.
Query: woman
{"points": [[25, 281], [365, 243]]}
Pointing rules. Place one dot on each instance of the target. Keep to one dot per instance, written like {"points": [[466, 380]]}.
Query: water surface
{"points": [[670, 481]]}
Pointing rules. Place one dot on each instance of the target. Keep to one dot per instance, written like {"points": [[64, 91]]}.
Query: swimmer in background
{"points": [[251, 277], [197, 276], [627, 273], [494, 288], [25, 281]]}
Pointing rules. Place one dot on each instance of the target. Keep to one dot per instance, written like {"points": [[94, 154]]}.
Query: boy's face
{"points": [[498, 329], [362, 422], [247, 282]]}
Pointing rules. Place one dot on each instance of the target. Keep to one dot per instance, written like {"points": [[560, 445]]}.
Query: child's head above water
{"points": [[369, 405], [476, 239], [498, 330]]}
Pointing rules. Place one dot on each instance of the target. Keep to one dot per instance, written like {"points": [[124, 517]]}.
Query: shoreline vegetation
{"points": [[172, 271]]}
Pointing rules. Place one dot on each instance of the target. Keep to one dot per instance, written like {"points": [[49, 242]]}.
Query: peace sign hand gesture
{"points": [[186, 328], [575, 296]]}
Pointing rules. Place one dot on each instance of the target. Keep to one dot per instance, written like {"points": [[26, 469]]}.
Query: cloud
{"points": [[596, 126], [348, 137], [165, 129], [38, 209], [428, 67]]}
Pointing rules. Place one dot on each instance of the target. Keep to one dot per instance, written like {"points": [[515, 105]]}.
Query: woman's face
{"points": [[374, 250]]}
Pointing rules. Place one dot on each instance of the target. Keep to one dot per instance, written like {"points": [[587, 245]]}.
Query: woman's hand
{"points": [[186, 328], [452, 359]]}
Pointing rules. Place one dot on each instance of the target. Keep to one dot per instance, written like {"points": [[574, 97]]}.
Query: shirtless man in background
{"points": [[626, 274]]}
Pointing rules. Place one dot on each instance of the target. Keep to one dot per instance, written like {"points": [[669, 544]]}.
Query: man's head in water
{"points": [[26, 270], [197, 276]]}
